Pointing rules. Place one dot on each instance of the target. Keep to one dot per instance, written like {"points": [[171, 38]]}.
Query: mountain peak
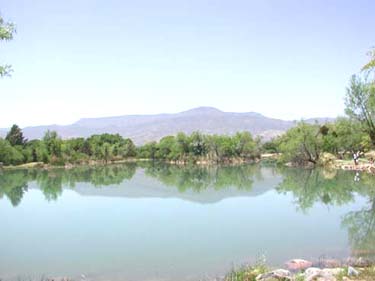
{"points": [[203, 110]]}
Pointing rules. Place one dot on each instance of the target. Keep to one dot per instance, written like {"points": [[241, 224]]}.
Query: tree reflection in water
{"points": [[337, 188], [308, 187], [13, 184], [199, 178]]}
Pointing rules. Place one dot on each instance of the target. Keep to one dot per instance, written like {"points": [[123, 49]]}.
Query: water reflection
{"points": [[14, 183], [198, 178], [307, 186], [335, 188]]}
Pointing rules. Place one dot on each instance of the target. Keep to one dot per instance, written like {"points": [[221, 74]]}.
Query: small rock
{"points": [[311, 273], [298, 264], [352, 271], [332, 271], [276, 274]]}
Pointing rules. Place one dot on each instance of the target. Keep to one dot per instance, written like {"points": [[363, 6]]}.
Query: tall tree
{"points": [[360, 104], [53, 143], [7, 31], [15, 136]]}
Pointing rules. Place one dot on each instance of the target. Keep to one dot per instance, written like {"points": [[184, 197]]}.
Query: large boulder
{"points": [[327, 274], [298, 264]]}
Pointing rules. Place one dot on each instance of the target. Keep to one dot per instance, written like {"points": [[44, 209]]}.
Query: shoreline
{"points": [[331, 164], [95, 163], [304, 270]]}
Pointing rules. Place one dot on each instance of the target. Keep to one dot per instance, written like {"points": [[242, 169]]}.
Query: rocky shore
{"points": [[303, 270]]}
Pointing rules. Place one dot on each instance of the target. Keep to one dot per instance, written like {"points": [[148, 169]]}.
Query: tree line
{"points": [[52, 149], [306, 143]]}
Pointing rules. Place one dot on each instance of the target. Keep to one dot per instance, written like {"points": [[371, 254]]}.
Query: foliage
{"points": [[369, 67], [302, 144], [198, 146], [15, 136], [360, 104], [7, 31], [350, 136], [247, 272], [9, 155]]}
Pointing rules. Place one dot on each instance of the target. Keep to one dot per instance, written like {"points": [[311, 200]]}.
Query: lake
{"points": [[161, 222]]}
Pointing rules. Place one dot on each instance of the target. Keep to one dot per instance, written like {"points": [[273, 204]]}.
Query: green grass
{"points": [[367, 274], [245, 273]]}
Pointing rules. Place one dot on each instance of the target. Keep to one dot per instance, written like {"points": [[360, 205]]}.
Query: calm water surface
{"points": [[158, 222]]}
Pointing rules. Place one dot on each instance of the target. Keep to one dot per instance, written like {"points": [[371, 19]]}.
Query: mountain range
{"points": [[145, 128]]}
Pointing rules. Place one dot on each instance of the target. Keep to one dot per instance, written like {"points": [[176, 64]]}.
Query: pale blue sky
{"points": [[85, 58]]}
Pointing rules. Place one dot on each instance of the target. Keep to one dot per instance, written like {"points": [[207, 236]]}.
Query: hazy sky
{"points": [[86, 58]]}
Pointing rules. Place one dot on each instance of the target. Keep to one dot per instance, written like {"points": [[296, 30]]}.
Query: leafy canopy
{"points": [[7, 31]]}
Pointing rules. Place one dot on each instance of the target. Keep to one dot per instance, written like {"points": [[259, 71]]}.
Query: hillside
{"points": [[145, 128]]}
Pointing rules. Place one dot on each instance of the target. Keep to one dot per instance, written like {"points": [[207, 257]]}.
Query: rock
{"points": [[311, 273], [298, 264], [330, 263], [332, 271], [275, 274], [352, 271], [327, 274]]}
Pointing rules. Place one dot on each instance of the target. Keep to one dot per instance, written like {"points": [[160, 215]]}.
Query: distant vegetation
{"points": [[15, 149]]}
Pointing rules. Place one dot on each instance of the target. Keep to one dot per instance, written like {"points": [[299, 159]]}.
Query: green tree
{"points": [[148, 151], [302, 144], [165, 148], [128, 148], [350, 136], [53, 143], [9, 155], [15, 136], [360, 104], [182, 145], [37, 151], [197, 144], [245, 146], [7, 31], [106, 152]]}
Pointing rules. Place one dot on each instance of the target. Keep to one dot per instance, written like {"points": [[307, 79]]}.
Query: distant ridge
{"points": [[146, 128]]}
